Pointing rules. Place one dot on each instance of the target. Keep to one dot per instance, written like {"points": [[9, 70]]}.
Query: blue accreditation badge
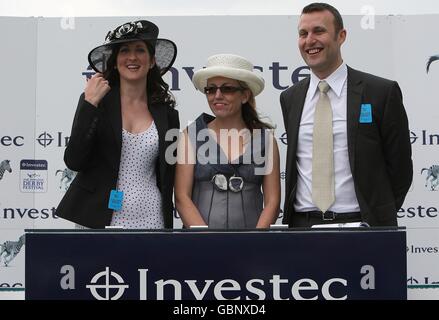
{"points": [[366, 113], [115, 201]]}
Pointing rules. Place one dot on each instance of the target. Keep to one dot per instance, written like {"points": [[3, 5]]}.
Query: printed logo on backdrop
{"points": [[283, 175], [432, 177], [33, 176], [9, 250], [11, 285], [5, 166], [46, 139], [425, 138], [283, 138], [419, 211], [413, 249], [175, 213], [282, 76], [66, 177], [9, 141], [430, 60], [88, 73], [12, 213], [422, 281]]}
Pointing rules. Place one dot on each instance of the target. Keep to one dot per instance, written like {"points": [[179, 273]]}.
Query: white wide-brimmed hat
{"points": [[229, 66]]}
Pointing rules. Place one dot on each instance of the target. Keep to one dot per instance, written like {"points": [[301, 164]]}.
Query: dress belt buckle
{"points": [[328, 215]]}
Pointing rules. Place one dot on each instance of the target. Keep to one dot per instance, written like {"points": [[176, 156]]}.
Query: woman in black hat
{"points": [[117, 144]]}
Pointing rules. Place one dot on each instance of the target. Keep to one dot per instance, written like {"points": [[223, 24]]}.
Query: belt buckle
{"points": [[331, 215]]}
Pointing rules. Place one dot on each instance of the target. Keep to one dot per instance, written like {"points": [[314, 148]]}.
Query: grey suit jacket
{"points": [[379, 152]]}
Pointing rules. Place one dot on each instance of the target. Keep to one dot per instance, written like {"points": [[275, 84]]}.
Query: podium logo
{"points": [[108, 289]]}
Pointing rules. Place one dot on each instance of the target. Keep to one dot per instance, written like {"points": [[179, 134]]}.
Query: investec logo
{"points": [[418, 212], [425, 138], [58, 139], [107, 289], [422, 281], [282, 76], [109, 285], [283, 138], [33, 175]]}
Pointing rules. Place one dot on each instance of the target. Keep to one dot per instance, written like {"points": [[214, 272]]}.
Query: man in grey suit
{"points": [[364, 130]]}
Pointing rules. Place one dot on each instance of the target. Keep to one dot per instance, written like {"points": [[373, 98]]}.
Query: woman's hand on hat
{"points": [[96, 88]]}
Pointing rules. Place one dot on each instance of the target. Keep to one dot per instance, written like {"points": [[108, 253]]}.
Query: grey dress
{"points": [[226, 209]]}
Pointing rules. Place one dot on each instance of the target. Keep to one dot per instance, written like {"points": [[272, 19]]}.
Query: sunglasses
{"points": [[211, 90]]}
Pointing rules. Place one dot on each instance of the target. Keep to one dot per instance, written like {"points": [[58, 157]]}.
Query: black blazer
{"points": [[94, 151], [379, 152]]}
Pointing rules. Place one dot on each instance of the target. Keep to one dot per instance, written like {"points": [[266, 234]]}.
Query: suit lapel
{"points": [[295, 105], [115, 115], [354, 94], [294, 117], [111, 107], [160, 116]]}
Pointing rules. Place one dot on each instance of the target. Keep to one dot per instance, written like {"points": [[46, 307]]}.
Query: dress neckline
{"points": [[139, 133], [206, 119]]}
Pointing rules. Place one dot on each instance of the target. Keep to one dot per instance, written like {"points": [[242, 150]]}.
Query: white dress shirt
{"points": [[345, 198]]}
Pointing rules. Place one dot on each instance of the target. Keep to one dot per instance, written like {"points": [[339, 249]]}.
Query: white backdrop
{"points": [[95, 8], [44, 70]]}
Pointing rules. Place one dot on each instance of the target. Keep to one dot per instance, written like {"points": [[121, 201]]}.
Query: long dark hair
{"points": [[156, 88], [249, 113]]}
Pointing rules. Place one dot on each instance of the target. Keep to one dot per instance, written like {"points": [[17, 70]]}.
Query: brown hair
{"points": [[249, 113], [320, 6], [156, 88]]}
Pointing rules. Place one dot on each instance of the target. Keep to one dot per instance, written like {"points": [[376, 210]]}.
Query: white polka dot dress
{"points": [[142, 201]]}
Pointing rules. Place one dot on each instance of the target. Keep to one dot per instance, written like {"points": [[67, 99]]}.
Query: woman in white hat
{"points": [[117, 144], [227, 174]]}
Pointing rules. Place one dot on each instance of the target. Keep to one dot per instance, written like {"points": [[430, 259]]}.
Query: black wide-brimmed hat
{"points": [[165, 50]]}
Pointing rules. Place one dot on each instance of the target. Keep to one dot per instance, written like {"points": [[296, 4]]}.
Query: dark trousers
{"points": [[308, 219]]}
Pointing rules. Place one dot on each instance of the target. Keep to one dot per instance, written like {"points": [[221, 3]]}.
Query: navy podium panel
{"points": [[216, 265]]}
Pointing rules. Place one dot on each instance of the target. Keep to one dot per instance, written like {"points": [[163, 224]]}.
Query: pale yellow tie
{"points": [[322, 152]]}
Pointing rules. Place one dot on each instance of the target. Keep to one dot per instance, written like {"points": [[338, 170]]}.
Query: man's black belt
{"points": [[331, 215]]}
